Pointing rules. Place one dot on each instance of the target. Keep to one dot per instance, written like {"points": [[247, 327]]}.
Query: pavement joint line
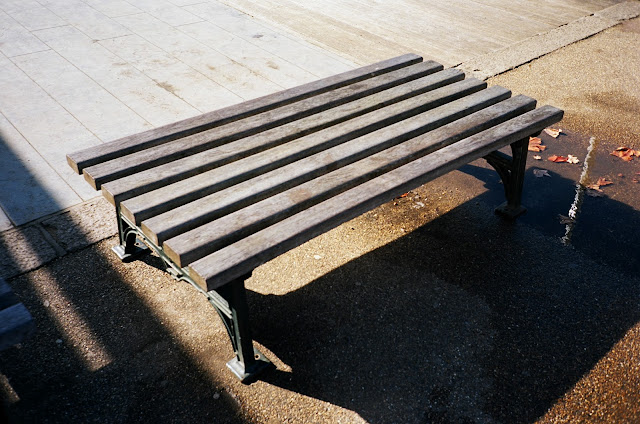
{"points": [[60, 251], [500, 61]]}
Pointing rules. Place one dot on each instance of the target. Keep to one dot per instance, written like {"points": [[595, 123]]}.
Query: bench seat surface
{"points": [[228, 190], [16, 322]]}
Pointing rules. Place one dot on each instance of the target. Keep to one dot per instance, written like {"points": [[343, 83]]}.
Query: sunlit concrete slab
{"points": [[450, 32]]}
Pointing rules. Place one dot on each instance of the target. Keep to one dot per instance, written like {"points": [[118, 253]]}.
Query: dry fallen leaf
{"points": [[595, 187], [625, 153], [602, 181], [537, 157], [535, 144], [555, 158], [572, 159], [541, 173], [553, 132]]}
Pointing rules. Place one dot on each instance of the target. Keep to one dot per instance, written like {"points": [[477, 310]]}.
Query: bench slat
{"points": [[103, 172], [155, 202], [242, 257], [130, 144], [15, 320], [7, 297], [141, 182], [16, 324], [203, 240], [203, 209]]}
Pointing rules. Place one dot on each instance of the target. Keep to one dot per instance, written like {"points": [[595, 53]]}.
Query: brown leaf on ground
{"points": [[602, 181], [595, 187], [625, 153], [555, 158], [535, 144], [541, 173], [553, 132]]}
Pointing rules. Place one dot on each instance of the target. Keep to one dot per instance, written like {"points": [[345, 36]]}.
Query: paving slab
{"points": [[85, 18], [213, 64], [15, 39], [77, 73], [37, 17], [98, 110], [367, 31], [524, 51], [43, 123], [82, 225], [23, 250], [171, 74], [293, 49], [30, 187]]}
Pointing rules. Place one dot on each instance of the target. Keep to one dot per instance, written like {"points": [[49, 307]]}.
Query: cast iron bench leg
{"points": [[248, 361], [130, 247], [511, 171]]}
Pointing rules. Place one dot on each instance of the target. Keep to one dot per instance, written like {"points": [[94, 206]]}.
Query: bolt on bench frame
{"points": [[219, 194]]}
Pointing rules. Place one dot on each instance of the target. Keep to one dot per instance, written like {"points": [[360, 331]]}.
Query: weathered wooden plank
{"points": [[145, 159], [130, 144], [159, 176], [194, 214], [15, 320], [192, 245], [152, 203], [242, 257], [7, 298], [15, 324]]}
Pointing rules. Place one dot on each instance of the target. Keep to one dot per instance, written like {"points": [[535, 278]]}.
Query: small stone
{"points": [[316, 257], [46, 303], [216, 396], [59, 341]]}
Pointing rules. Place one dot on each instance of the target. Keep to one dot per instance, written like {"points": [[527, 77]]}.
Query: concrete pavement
{"points": [[79, 73]]}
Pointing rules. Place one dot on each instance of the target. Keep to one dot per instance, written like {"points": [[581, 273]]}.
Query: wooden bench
{"points": [[16, 322], [221, 193]]}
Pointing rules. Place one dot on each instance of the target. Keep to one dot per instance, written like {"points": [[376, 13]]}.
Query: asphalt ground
{"points": [[429, 309]]}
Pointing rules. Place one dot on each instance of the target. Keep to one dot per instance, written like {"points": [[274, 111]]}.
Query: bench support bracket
{"points": [[249, 361], [230, 301], [130, 247], [511, 171]]}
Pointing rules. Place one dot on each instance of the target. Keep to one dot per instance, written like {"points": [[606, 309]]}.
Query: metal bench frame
{"points": [[230, 300]]}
